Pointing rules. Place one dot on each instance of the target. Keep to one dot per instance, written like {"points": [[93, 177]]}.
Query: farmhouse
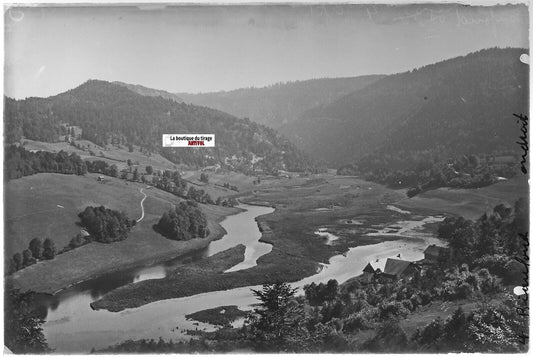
{"points": [[368, 272], [397, 268]]}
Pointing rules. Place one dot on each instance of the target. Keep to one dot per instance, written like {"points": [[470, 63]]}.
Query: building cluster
{"points": [[396, 269]]}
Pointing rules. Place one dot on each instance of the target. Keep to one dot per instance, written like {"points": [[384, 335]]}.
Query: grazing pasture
{"points": [[473, 202], [34, 211]]}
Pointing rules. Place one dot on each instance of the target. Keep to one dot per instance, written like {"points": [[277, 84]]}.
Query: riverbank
{"points": [[218, 316], [182, 281]]}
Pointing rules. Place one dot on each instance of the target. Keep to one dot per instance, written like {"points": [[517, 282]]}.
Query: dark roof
{"points": [[396, 266], [434, 250], [369, 268]]}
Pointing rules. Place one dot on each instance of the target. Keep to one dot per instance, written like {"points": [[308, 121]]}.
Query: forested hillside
{"points": [[112, 114], [460, 106], [150, 92], [280, 103]]}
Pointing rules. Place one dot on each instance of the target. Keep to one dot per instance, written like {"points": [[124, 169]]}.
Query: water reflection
{"points": [[93, 289]]}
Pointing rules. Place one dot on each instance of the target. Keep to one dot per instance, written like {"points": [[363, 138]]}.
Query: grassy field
{"points": [[243, 183], [119, 156], [470, 203], [32, 211], [110, 153]]}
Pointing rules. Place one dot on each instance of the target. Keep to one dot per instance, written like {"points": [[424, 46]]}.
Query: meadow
{"points": [[46, 205], [470, 203]]}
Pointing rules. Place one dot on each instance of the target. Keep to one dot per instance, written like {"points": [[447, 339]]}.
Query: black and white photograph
{"points": [[245, 178]]}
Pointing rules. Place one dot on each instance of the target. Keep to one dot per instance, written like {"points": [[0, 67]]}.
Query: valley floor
{"points": [[325, 201], [302, 206]]}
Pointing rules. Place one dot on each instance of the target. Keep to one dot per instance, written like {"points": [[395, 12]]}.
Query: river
{"points": [[72, 326]]}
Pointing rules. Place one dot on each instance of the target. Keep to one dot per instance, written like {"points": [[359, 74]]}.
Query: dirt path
{"points": [[142, 206]]}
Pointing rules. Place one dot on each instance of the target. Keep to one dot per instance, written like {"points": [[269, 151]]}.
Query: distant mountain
{"points": [[109, 113], [464, 105], [150, 92], [280, 103]]}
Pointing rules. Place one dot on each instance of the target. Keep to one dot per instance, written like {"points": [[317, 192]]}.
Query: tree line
{"points": [[19, 162], [423, 171], [37, 250]]}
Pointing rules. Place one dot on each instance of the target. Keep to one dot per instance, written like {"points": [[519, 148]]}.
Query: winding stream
{"points": [[72, 326]]}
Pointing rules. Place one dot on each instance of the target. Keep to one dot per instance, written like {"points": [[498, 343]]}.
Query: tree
{"points": [[232, 202], [113, 170], [36, 248], [135, 175], [17, 261], [487, 242], [27, 258], [332, 289], [77, 241], [149, 170], [277, 323], [455, 329], [204, 178], [23, 333], [49, 251]]}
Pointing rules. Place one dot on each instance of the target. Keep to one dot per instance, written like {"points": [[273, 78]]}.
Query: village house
{"points": [[368, 272], [398, 269]]}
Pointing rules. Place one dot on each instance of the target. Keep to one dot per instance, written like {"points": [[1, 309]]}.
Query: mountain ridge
{"points": [[109, 113], [454, 104], [150, 92], [279, 103]]}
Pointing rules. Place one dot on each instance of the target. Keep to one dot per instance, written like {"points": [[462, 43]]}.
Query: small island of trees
{"points": [[185, 221], [105, 225]]}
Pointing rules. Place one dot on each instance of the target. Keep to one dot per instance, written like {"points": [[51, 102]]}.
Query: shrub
{"points": [[356, 323]]}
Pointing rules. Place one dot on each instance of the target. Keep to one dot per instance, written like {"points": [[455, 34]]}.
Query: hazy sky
{"points": [[205, 48]]}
